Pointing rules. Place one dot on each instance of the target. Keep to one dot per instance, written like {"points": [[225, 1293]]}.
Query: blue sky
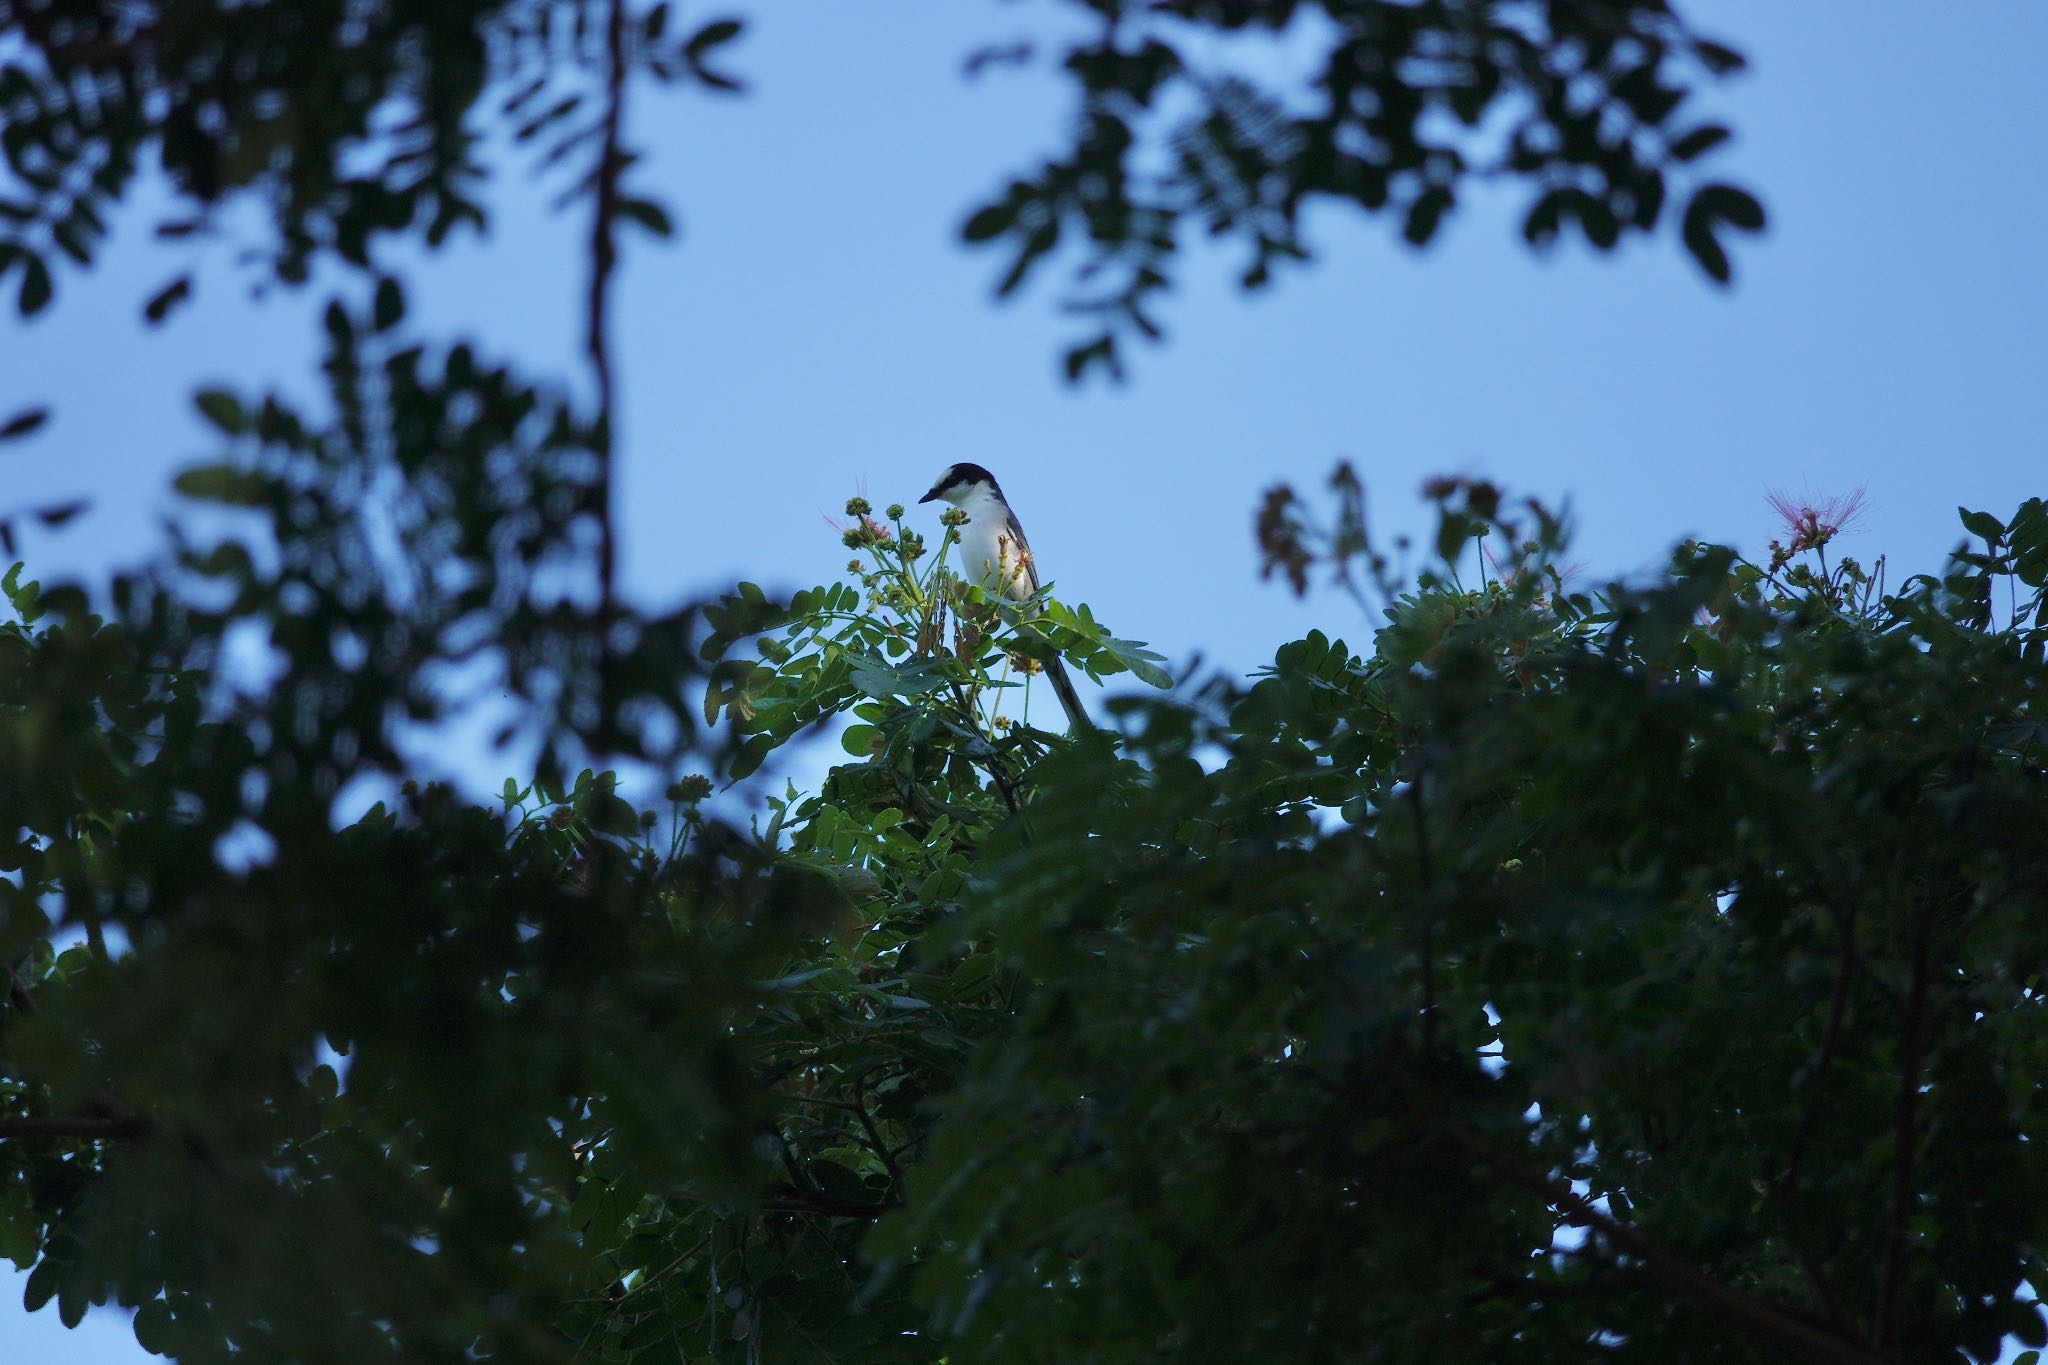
{"points": [[818, 328]]}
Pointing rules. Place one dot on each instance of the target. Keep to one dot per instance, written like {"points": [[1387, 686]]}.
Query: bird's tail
{"points": [[1070, 700]]}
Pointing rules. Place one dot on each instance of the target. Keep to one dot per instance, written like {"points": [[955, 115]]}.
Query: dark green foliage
{"points": [[1407, 103], [351, 124], [1718, 896], [1651, 973]]}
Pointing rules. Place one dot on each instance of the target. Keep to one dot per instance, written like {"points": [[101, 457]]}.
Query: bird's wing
{"points": [[1029, 579]]}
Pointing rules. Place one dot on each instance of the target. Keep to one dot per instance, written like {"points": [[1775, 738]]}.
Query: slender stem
{"points": [[84, 1128], [875, 1143], [816, 1201], [603, 262]]}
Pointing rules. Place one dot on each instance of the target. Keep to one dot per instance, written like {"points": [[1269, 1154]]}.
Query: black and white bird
{"points": [[995, 555]]}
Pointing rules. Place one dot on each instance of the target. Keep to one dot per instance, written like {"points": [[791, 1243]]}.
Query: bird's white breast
{"points": [[987, 554]]}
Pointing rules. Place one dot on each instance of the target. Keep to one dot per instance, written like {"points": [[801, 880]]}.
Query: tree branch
{"points": [[875, 1143], [604, 256], [18, 993], [817, 1201], [86, 1128], [1807, 1339], [1516, 1287]]}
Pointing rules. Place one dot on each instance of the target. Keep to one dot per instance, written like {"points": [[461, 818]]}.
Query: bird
{"points": [[995, 555]]}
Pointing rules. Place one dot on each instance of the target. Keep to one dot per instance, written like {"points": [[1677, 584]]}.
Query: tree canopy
{"points": [[1649, 970]]}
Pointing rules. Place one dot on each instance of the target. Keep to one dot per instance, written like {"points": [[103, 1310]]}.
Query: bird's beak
{"points": [[929, 496]]}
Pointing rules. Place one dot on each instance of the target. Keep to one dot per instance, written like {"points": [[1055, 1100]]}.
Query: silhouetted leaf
{"points": [[23, 423], [61, 513], [36, 286], [225, 484], [647, 214], [1982, 525], [388, 307], [1699, 141], [165, 299], [703, 43], [221, 408]]}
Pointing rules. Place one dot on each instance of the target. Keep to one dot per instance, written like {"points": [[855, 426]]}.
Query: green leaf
{"points": [[36, 286], [224, 483], [859, 740], [1424, 214], [153, 1327], [387, 308], [714, 34], [1698, 235], [221, 408], [1737, 208], [649, 215], [165, 299], [1717, 57], [41, 1286], [1982, 525], [1144, 664], [878, 679], [989, 222], [1697, 142], [750, 756], [60, 513]]}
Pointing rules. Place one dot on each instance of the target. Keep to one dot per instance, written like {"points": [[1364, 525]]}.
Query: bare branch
{"points": [[81, 1127], [875, 1143], [604, 256], [1807, 1339], [817, 1201], [1525, 1289]]}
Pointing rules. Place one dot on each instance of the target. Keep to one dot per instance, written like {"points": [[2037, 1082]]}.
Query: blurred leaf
{"points": [[23, 423], [165, 299], [221, 409], [36, 286], [647, 214]]}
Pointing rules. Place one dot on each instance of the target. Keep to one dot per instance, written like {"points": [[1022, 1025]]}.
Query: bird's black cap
{"points": [[961, 474]]}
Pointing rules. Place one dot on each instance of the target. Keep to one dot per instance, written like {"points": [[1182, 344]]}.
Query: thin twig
{"points": [[875, 1143], [1508, 1287], [110, 1127], [1776, 1322], [817, 1201]]}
